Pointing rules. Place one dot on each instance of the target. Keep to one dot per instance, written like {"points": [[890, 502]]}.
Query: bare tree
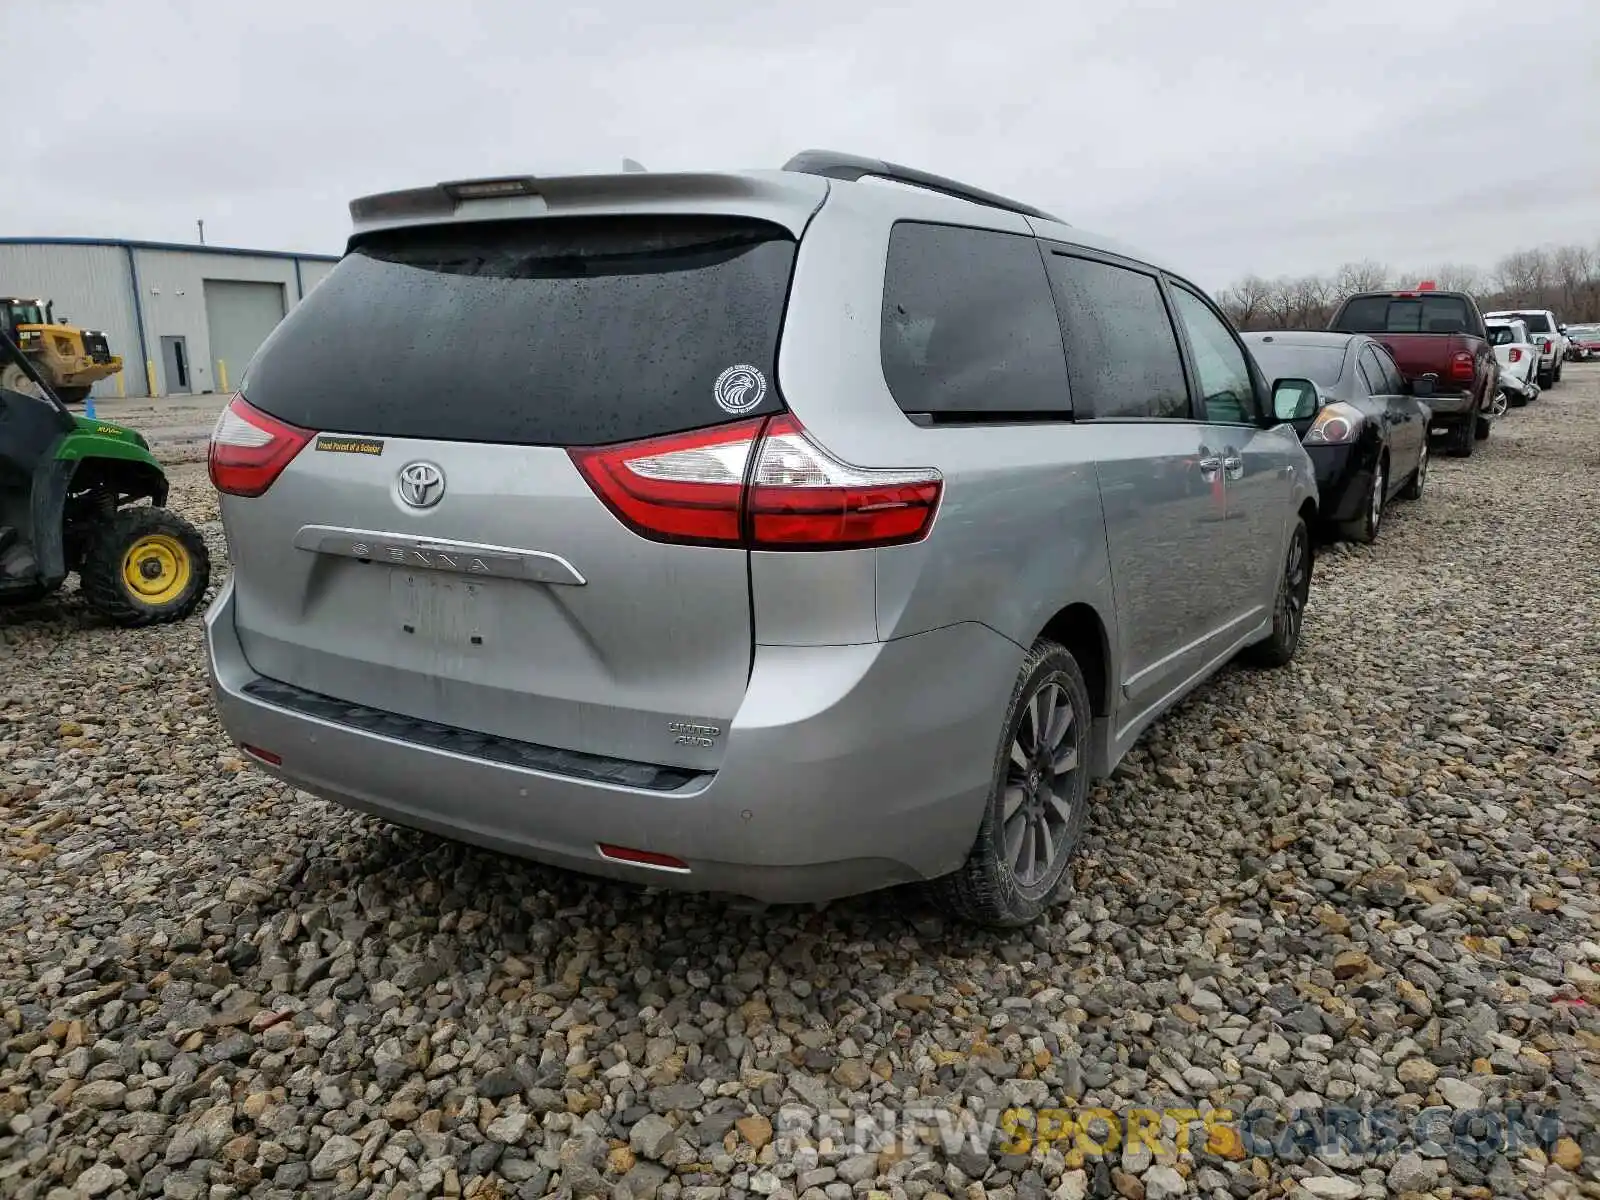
{"points": [[1574, 268], [1246, 301], [1280, 302], [1363, 276], [1312, 296], [1458, 277], [1565, 279], [1524, 275]]}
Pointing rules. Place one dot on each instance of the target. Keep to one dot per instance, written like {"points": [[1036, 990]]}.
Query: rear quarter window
{"points": [[568, 331], [968, 328]]}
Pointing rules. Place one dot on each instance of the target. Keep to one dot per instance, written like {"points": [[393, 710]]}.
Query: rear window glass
{"points": [[1502, 335], [1320, 364], [968, 325], [1393, 314], [1536, 322], [566, 331]]}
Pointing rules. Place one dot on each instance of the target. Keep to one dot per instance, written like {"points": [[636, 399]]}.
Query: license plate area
{"points": [[442, 610]]}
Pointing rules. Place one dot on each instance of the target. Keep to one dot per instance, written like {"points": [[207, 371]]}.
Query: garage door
{"points": [[239, 316]]}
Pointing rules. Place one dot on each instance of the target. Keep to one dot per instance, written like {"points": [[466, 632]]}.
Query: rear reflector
{"points": [[250, 449], [266, 756], [763, 484], [643, 858]]}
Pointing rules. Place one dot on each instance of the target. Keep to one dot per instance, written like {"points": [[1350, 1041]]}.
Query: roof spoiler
{"points": [[789, 200]]}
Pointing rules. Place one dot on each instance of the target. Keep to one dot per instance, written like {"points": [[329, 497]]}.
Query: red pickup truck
{"points": [[1435, 333]]}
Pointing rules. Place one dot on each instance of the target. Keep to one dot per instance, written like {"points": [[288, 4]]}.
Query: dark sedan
{"points": [[1366, 433]]}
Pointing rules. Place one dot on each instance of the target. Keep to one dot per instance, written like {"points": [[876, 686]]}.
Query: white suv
{"points": [[1549, 335]]}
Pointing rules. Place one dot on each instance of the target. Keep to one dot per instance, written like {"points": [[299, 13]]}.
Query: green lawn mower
{"points": [[71, 489]]}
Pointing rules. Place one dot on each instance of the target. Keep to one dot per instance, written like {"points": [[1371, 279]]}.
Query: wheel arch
{"points": [[1084, 633], [130, 478]]}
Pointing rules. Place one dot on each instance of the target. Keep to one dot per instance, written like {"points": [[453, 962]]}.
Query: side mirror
{"points": [[1561, 328], [1422, 385], [1295, 399]]}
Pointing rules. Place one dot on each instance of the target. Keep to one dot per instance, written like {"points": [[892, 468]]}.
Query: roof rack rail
{"points": [[851, 167]]}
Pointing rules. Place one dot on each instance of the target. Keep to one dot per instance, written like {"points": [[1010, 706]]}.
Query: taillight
{"points": [[1461, 366], [1515, 355], [686, 488], [802, 497], [763, 484], [249, 449]]}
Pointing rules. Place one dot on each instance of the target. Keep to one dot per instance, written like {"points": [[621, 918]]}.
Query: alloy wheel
{"points": [[1292, 592], [1038, 815]]}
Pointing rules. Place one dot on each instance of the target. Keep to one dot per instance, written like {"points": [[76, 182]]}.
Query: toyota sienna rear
{"points": [[576, 518]]}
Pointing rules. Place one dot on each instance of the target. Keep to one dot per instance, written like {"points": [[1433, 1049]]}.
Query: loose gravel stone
{"points": [[1365, 880]]}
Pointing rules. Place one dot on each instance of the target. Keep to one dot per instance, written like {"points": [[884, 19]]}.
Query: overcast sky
{"points": [[1227, 136]]}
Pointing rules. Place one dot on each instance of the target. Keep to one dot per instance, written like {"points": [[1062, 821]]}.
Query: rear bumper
{"points": [[848, 768], [1450, 408]]}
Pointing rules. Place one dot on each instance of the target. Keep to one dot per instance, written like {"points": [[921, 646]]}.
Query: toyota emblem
{"points": [[421, 484]]}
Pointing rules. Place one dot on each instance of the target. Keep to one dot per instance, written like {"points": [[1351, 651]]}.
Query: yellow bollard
{"points": [[122, 388], [150, 375], [222, 376]]}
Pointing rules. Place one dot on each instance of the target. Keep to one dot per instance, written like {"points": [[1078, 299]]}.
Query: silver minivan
{"points": [[786, 533]]}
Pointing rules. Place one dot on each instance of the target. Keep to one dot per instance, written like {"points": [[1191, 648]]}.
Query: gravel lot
{"points": [[1363, 881]]}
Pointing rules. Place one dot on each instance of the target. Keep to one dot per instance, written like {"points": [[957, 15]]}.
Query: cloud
{"points": [[1247, 136]]}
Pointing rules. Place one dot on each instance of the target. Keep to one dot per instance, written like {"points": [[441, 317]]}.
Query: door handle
{"points": [[1209, 465], [1233, 464]]}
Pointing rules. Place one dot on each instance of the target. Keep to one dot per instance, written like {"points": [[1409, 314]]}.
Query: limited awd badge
{"points": [[421, 484]]}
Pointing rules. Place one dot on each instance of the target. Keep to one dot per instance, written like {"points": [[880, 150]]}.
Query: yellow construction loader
{"points": [[69, 359]]}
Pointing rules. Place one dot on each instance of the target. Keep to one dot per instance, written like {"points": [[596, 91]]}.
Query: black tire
{"points": [[31, 594], [109, 549], [1365, 527], [1462, 441], [1419, 477], [987, 889], [1517, 399], [1480, 429], [1555, 376], [1288, 611], [1546, 379]]}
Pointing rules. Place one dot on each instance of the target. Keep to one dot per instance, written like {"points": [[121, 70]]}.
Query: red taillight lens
{"points": [[1461, 366], [801, 497], [249, 449], [1515, 355], [685, 488], [762, 484]]}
